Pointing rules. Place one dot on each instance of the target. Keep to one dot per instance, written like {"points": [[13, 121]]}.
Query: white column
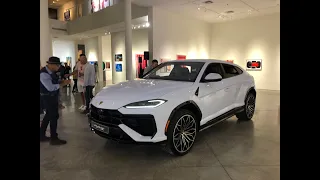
{"points": [[45, 33], [130, 73], [150, 35], [100, 60]]}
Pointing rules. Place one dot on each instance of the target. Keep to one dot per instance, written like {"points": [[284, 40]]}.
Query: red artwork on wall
{"points": [[181, 57], [230, 61]]}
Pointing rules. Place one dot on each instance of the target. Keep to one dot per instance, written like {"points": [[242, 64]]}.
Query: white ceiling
{"points": [[215, 12]]}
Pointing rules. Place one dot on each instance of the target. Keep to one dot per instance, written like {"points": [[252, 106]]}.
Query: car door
{"points": [[232, 82], [211, 95]]}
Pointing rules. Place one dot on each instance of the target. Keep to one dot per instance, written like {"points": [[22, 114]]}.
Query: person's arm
{"points": [[88, 72], [75, 71], [46, 80]]}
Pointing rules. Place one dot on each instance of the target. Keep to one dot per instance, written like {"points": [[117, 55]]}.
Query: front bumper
{"points": [[125, 127]]}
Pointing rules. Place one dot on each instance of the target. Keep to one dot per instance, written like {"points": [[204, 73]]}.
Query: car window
{"points": [[230, 71], [176, 71], [239, 70], [213, 68]]}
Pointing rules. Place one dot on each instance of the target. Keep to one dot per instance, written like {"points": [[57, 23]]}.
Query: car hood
{"points": [[121, 94]]}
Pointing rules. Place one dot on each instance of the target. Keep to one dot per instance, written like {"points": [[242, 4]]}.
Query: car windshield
{"points": [[176, 71]]}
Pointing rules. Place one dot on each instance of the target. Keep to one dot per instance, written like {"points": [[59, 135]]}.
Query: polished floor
{"points": [[231, 150]]}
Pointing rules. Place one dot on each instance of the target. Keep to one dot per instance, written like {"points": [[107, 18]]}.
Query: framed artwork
{"points": [[67, 15], [254, 64], [118, 67], [107, 65], [230, 61], [118, 57], [181, 57]]}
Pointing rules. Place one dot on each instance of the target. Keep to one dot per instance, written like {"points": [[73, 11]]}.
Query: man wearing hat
{"points": [[49, 91]]}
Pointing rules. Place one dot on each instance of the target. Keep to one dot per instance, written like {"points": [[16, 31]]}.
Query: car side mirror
{"points": [[212, 77]]}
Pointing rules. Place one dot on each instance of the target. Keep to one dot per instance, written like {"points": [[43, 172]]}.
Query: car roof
{"points": [[208, 61], [204, 61]]}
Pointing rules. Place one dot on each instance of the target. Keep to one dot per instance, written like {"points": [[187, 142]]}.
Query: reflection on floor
{"points": [[231, 150]]}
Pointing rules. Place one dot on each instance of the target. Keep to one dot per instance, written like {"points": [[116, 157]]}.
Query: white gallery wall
{"points": [[174, 35], [139, 45], [253, 38], [63, 49], [92, 50]]}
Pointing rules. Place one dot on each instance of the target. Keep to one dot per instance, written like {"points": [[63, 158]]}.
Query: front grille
{"points": [[107, 117], [143, 124]]}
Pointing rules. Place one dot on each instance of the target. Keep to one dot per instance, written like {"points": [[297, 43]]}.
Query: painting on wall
{"points": [[118, 57], [230, 61], [181, 57], [107, 65], [66, 15], [254, 64], [118, 67], [68, 61]]}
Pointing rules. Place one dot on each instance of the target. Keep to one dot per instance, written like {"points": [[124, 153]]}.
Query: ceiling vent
{"points": [[208, 2]]}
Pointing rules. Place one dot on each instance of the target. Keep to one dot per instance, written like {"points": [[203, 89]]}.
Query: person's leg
{"points": [[46, 119], [54, 116], [80, 90], [41, 105], [88, 95]]}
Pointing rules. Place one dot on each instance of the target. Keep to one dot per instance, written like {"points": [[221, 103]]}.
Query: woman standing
{"points": [[75, 80]]}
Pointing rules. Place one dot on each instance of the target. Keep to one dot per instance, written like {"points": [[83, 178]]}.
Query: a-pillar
{"points": [[130, 73], [45, 34]]}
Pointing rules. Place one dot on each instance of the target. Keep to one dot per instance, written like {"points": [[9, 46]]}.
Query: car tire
{"points": [[184, 136], [249, 107]]}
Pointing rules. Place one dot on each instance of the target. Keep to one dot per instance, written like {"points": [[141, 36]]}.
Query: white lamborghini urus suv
{"points": [[173, 102]]}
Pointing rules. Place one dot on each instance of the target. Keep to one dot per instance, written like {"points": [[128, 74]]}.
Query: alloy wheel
{"points": [[250, 106], [184, 133]]}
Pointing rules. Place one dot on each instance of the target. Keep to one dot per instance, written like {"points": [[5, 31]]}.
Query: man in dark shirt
{"points": [[49, 92]]}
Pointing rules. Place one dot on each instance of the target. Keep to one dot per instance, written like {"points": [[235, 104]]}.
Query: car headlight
{"points": [[146, 104]]}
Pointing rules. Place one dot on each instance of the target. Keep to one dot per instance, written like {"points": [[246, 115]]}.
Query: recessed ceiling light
{"points": [[147, 24], [198, 8], [208, 2], [138, 26], [229, 12], [143, 25]]}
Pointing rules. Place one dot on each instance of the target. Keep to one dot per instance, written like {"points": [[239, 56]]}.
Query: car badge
{"points": [[100, 102]]}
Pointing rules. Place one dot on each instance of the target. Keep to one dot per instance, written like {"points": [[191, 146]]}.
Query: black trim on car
{"points": [[143, 124], [180, 106], [222, 117]]}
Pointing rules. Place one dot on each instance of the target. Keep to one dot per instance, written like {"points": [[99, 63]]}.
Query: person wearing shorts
{"points": [[79, 69]]}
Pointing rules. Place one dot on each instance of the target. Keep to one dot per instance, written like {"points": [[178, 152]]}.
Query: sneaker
{"points": [[44, 138], [81, 107], [57, 142], [84, 108]]}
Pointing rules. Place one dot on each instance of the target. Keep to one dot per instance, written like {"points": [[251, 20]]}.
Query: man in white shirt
{"points": [[154, 64], [89, 82], [79, 69]]}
